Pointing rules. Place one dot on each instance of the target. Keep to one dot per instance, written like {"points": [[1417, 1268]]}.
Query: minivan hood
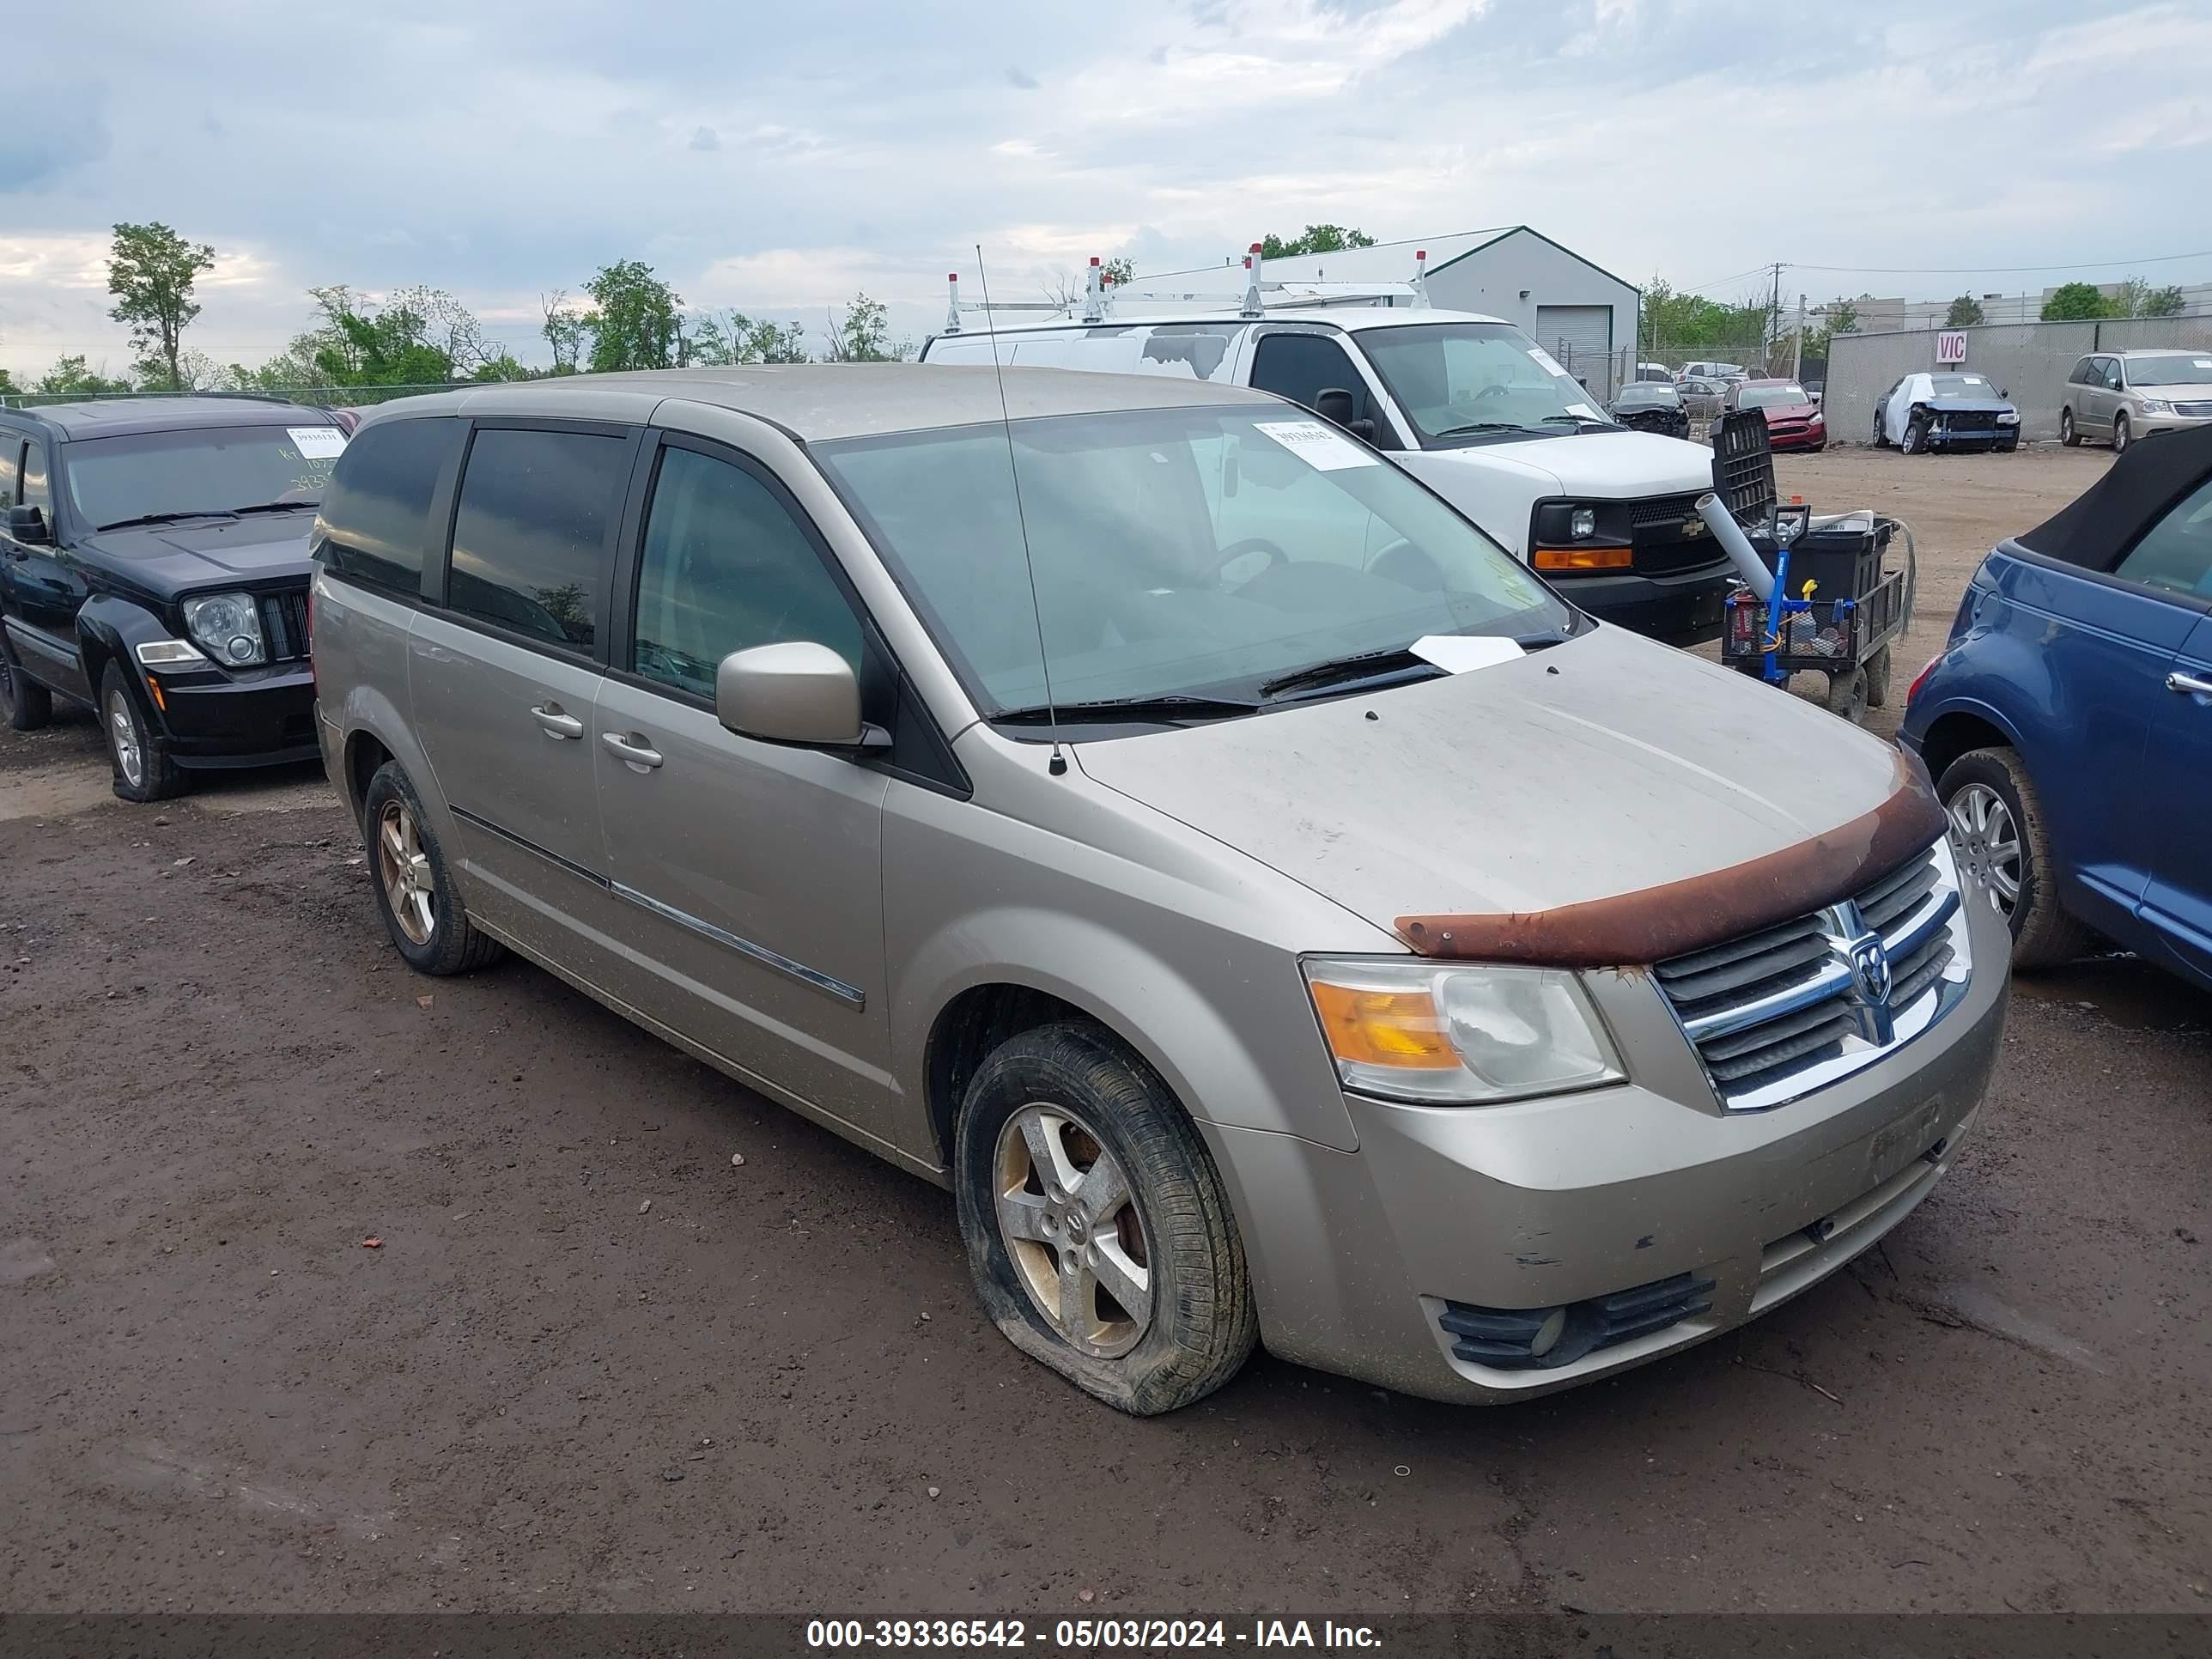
{"points": [[1605, 766], [171, 558], [1604, 465]]}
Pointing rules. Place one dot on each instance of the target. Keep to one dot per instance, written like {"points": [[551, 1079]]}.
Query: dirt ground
{"points": [[771, 1390]]}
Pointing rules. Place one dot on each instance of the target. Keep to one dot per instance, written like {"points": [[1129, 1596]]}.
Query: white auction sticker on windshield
{"points": [[1585, 412], [1546, 361], [1319, 446], [317, 443]]}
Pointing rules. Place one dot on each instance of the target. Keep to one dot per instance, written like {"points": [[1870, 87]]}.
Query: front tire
{"points": [[1916, 436], [416, 892], [29, 704], [1098, 1230], [2120, 438], [137, 756], [1997, 822], [2067, 435], [1880, 431]]}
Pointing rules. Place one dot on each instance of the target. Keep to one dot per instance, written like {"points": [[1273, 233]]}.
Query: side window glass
{"points": [[11, 451], [725, 567], [2081, 372], [374, 525], [2112, 374], [1301, 366], [2176, 553], [37, 491], [530, 538]]}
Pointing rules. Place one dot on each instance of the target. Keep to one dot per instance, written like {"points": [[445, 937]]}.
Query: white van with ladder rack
{"points": [[1467, 403]]}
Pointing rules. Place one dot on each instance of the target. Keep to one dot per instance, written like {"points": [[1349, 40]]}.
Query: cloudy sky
{"points": [[777, 157]]}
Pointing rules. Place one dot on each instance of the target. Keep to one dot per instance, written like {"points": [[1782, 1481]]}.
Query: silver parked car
{"points": [[1082, 810], [2125, 395]]}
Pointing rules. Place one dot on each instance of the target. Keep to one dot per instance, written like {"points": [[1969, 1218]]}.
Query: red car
{"points": [[1794, 421]]}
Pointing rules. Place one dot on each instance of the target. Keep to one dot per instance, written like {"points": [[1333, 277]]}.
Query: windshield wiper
{"points": [[274, 507], [1344, 671], [1582, 423], [1481, 426], [1175, 706], [170, 518]]}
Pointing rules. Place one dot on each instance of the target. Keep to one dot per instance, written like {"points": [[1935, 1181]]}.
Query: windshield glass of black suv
{"points": [[1178, 552], [206, 470], [1464, 381]]}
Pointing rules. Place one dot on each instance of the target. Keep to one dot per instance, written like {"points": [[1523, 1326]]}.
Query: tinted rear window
{"points": [[375, 519], [530, 537]]}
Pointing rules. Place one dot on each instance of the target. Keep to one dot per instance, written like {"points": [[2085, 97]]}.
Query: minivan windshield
{"points": [[1464, 383], [211, 470], [2177, 370], [1198, 555]]}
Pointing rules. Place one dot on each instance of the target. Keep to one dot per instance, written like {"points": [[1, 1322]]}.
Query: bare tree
{"points": [[565, 329]]}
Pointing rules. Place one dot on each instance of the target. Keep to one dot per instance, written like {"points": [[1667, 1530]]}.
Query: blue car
{"points": [[2069, 722]]}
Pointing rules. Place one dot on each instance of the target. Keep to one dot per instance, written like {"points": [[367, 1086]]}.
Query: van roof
{"points": [[116, 417], [824, 401], [1351, 319]]}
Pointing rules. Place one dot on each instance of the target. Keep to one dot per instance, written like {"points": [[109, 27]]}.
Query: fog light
{"points": [[1581, 523], [1548, 1334], [240, 648]]}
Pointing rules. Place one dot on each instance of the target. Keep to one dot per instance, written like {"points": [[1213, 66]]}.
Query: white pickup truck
{"points": [[1468, 405]]}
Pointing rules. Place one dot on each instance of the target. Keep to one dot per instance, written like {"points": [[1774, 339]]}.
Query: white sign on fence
{"points": [[1951, 346]]}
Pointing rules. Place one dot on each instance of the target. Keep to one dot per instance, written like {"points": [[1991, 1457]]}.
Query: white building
{"points": [[1583, 314]]}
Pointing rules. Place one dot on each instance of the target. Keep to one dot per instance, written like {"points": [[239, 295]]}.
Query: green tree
{"points": [[721, 340], [2072, 302], [565, 329], [2138, 298], [151, 271], [1688, 324], [633, 322], [8, 386], [1120, 272], [1966, 312], [1313, 239], [70, 378], [863, 335]]}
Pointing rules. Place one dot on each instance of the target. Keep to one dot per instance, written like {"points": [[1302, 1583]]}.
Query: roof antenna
{"points": [[1058, 764]]}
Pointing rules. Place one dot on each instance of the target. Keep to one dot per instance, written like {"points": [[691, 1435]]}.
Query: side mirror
{"points": [[28, 524], [798, 692], [2002, 392], [1333, 404]]}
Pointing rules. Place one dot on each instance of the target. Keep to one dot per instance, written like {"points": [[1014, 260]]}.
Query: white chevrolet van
{"points": [[1468, 405]]}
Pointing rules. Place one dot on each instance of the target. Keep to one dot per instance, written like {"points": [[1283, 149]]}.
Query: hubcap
{"points": [[123, 731], [405, 869], [1071, 1227], [1989, 843]]}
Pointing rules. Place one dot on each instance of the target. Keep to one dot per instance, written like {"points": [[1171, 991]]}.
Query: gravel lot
{"points": [[771, 1390]]}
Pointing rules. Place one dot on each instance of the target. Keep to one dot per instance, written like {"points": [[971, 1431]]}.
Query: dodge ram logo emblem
{"points": [[1871, 983]]}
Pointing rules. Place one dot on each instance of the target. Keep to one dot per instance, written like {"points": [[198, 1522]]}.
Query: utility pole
{"points": [[1797, 342], [1773, 318]]}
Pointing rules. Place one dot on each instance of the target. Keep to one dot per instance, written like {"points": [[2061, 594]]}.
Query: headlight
{"points": [[1443, 1034], [2156, 406], [2007, 417], [1581, 523], [228, 627]]}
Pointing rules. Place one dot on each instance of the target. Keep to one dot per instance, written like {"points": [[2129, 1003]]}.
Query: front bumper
{"points": [[1811, 437], [1357, 1256], [2151, 424], [257, 717], [1684, 610]]}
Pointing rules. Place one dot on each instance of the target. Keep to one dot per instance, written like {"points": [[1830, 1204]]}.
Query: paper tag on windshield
{"points": [[1545, 361], [317, 443], [1456, 653], [1585, 412], [2202, 363], [1318, 445]]}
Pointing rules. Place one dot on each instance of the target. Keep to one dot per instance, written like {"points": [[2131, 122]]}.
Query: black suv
{"points": [[154, 564]]}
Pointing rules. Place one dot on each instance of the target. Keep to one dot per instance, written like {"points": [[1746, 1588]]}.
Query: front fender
{"points": [[109, 628]]}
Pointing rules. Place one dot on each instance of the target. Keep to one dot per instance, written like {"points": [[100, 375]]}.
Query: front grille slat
{"points": [[284, 623], [1773, 1005]]}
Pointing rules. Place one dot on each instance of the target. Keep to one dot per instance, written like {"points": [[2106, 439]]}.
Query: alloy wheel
{"points": [[405, 869], [1991, 841], [2119, 434], [1069, 1221], [123, 732]]}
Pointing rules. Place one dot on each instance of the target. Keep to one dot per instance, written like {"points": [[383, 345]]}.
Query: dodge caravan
{"points": [[1471, 406], [1273, 912]]}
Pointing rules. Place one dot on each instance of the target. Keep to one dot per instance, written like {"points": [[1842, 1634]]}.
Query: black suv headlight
{"points": [[228, 627]]}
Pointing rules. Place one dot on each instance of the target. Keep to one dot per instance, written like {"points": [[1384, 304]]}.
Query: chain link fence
{"points": [[2029, 361]]}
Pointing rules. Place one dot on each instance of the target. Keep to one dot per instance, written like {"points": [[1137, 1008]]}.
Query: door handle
{"points": [[636, 753], [555, 721], [2178, 681]]}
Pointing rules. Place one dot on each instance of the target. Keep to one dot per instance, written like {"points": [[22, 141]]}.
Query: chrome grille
{"points": [[1778, 1014]]}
